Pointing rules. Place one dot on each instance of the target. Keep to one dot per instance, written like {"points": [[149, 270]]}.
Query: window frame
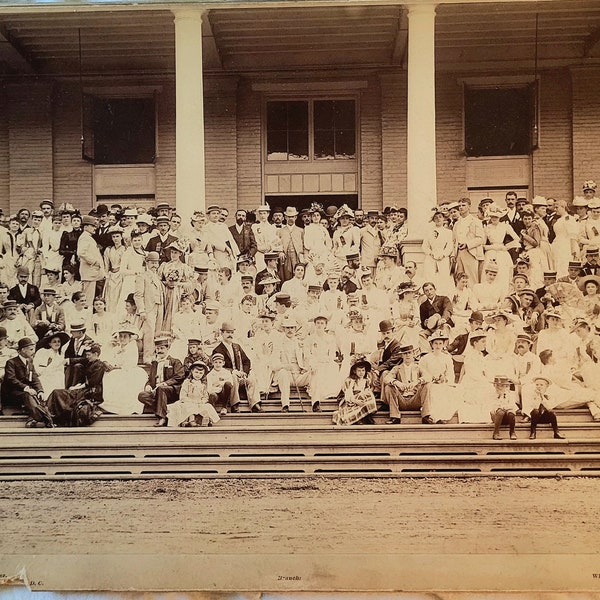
{"points": [[90, 93], [311, 98], [513, 82]]}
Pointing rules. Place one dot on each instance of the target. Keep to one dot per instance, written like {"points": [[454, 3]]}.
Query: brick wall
{"points": [[4, 156], [72, 174], [552, 162], [221, 142], [585, 126], [30, 143], [370, 146], [249, 185], [450, 158], [393, 138]]}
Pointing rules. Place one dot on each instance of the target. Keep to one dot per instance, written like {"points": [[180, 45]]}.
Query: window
{"points": [[119, 131], [500, 121], [311, 130]]}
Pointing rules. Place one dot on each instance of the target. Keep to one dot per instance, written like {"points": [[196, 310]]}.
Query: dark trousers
{"points": [[504, 417], [158, 400], [224, 398], [546, 416], [34, 409]]}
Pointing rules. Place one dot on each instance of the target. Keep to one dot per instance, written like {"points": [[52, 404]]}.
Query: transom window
{"points": [[305, 130]]}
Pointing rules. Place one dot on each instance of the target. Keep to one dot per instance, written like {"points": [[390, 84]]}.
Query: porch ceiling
{"points": [[468, 36]]}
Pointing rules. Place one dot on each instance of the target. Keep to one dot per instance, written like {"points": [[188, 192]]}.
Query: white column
{"points": [[189, 132], [421, 164]]}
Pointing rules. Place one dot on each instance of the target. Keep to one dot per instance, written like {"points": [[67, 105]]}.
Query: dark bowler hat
{"points": [[25, 343], [476, 316], [385, 326]]}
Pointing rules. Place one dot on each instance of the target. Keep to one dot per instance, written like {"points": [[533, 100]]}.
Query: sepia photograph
{"points": [[300, 296]]}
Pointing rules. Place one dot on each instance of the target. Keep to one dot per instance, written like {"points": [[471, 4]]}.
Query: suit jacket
{"points": [[458, 345], [32, 295], [173, 373], [16, 377], [391, 356], [245, 240], [149, 291], [155, 244], [103, 238], [292, 240], [474, 235], [370, 244], [91, 263], [77, 356], [240, 360], [588, 269], [442, 305], [57, 320]]}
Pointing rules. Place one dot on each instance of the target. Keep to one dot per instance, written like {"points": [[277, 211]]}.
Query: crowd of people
{"points": [[126, 310]]}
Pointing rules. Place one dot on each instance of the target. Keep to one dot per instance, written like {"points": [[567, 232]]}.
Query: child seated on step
{"points": [[193, 408], [222, 387]]}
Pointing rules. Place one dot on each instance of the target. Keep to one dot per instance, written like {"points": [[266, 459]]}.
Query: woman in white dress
{"points": [[185, 325], [500, 344], [112, 264], [441, 400], [49, 362], [565, 246], [102, 323], [438, 247], [132, 265], [51, 258], [266, 236], [475, 387], [495, 250], [464, 303], [296, 286], [125, 380], [317, 240]]}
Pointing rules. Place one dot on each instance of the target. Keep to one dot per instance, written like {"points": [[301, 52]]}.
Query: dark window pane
{"points": [[345, 143], [276, 116], [298, 115], [298, 145], [324, 144], [124, 131], [498, 121], [344, 114], [277, 145], [324, 114]]}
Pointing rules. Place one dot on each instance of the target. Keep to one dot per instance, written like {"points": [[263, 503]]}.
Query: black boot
{"points": [[532, 432]]}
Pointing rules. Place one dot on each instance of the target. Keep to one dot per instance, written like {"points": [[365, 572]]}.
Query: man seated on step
{"points": [[388, 355], [240, 365], [403, 387], [22, 387], [289, 364], [164, 381]]}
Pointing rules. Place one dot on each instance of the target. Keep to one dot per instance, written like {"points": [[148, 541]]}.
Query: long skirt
{"points": [[121, 389], [182, 410], [352, 412], [442, 402]]}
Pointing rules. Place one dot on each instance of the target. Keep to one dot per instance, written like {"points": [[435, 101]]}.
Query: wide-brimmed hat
{"points": [[406, 287], [263, 208], [343, 211], [360, 361], [45, 341], [144, 218], [477, 334], [539, 201], [125, 328], [408, 349], [438, 335], [500, 313], [176, 245], [496, 211], [580, 202], [588, 279], [291, 211], [78, 326], [269, 279]]}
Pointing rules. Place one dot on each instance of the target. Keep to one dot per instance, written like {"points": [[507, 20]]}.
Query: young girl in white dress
{"points": [[193, 401]]}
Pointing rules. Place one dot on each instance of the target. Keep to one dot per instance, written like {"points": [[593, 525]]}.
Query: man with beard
{"points": [[292, 242], [242, 234]]}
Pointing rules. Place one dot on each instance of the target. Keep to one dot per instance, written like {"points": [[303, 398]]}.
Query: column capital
{"points": [[428, 8], [191, 13]]}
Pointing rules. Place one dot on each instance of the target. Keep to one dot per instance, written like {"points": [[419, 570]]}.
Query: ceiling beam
{"points": [[13, 55]]}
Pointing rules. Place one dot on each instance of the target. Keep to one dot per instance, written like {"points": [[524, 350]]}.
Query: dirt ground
{"points": [[296, 516]]}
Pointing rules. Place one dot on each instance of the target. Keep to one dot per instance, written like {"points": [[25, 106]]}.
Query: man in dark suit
{"points": [[22, 386], [26, 295], [592, 262], [271, 270], [573, 275], [457, 347], [161, 240], [435, 311], [513, 218], [164, 381], [243, 235], [390, 353], [237, 361], [75, 354], [102, 237]]}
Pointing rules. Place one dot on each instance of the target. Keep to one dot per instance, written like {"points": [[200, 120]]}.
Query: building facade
{"points": [[367, 103]]}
